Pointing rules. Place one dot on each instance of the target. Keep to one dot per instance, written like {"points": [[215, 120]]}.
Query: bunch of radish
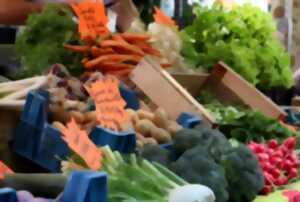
{"points": [[279, 162]]}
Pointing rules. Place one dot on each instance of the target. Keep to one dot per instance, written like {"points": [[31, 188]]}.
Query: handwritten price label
{"points": [[4, 169], [92, 19], [79, 142], [109, 103]]}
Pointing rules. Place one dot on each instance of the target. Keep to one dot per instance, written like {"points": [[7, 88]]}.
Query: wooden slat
{"points": [[193, 83], [164, 91], [222, 77]]}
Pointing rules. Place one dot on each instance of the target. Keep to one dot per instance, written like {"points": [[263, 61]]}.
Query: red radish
{"points": [[275, 172], [278, 162], [290, 142], [293, 173], [273, 144], [267, 189]]}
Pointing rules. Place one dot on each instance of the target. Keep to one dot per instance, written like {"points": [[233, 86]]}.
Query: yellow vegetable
{"points": [[142, 114], [161, 118], [144, 127], [161, 135]]}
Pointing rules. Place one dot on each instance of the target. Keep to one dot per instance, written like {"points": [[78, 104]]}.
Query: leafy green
{"points": [[41, 43], [244, 39]]}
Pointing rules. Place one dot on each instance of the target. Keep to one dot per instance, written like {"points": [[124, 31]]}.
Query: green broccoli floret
{"points": [[243, 173], [156, 153], [213, 140], [197, 166], [187, 139]]}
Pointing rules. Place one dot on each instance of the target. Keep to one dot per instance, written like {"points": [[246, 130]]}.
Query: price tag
{"points": [[4, 169], [161, 18], [79, 142], [109, 103], [92, 19]]}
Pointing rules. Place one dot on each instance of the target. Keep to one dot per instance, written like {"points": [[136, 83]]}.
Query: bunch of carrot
{"points": [[116, 54]]}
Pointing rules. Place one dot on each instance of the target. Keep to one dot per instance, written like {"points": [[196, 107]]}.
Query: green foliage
{"points": [[244, 39], [243, 173], [41, 43]]}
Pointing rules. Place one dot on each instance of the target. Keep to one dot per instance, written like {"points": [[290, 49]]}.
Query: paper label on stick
{"points": [[4, 169], [109, 103], [80, 143], [92, 19]]}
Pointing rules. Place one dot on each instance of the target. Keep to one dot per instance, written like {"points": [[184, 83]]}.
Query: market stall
{"points": [[104, 109]]}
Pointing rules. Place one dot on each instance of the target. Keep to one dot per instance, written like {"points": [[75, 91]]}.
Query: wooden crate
{"points": [[230, 88], [164, 91]]}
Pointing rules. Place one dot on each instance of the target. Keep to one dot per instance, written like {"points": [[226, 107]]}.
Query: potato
{"points": [[144, 127], [161, 118], [173, 128], [140, 137], [133, 116], [150, 140], [161, 135], [58, 125], [59, 114], [90, 116], [79, 118], [142, 114], [139, 144]]}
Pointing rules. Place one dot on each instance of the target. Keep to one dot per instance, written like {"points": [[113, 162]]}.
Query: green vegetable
{"points": [[197, 166], [243, 173], [156, 153], [40, 45], [244, 39]]}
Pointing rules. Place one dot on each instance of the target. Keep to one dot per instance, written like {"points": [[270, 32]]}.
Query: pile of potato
{"points": [[153, 128]]}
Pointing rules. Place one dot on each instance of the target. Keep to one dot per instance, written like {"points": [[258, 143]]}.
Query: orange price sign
{"points": [[80, 143], [92, 19], [109, 103], [4, 169], [161, 18]]}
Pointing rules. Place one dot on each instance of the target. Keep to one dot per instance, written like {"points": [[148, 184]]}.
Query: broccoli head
{"points": [[197, 166], [243, 173], [156, 153]]}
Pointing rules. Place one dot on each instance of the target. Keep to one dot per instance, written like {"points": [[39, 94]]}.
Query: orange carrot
{"points": [[109, 58], [119, 38], [166, 65], [96, 52], [124, 72], [124, 46], [130, 37], [84, 60], [77, 48]]}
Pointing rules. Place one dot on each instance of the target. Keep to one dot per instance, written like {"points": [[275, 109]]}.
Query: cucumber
{"points": [[40, 185]]}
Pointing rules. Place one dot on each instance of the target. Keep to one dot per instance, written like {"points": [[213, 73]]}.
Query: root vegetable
{"points": [[161, 118], [133, 116], [161, 135], [79, 118], [173, 128], [142, 114], [139, 144], [58, 125], [150, 140], [59, 113], [90, 116], [144, 127]]}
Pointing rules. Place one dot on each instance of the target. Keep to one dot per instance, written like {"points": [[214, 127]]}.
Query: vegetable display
{"points": [[153, 128], [279, 162], [244, 39], [40, 44], [203, 155], [135, 179]]}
